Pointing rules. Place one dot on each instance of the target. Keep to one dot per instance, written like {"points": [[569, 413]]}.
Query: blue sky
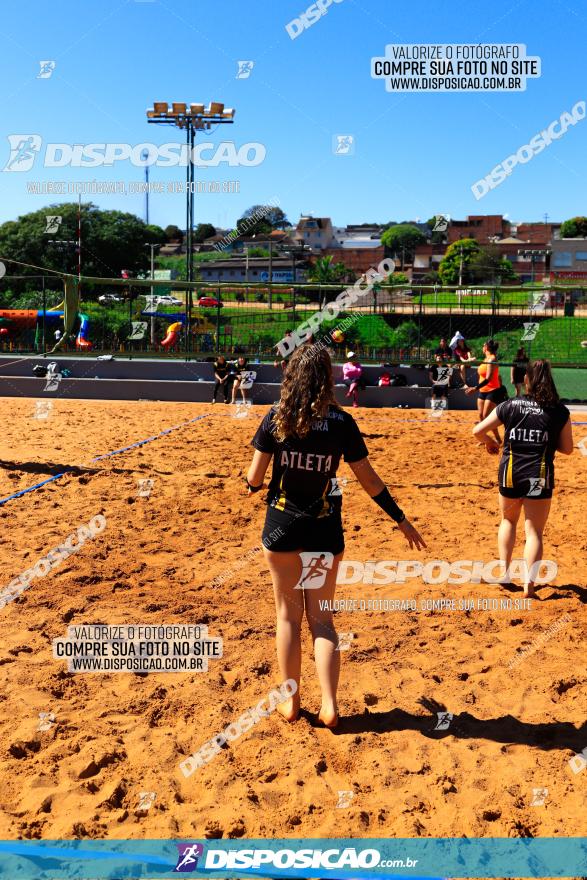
{"points": [[415, 154]]}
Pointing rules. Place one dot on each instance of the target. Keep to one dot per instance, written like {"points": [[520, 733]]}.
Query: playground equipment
{"points": [[29, 319], [172, 335], [199, 326], [82, 342]]}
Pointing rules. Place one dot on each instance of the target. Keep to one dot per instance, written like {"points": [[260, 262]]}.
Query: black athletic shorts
{"points": [[284, 532], [526, 489], [497, 396], [441, 390]]}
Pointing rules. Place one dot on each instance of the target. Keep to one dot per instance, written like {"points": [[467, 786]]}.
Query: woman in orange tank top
{"points": [[491, 391]]}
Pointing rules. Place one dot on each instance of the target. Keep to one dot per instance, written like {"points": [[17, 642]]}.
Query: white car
{"points": [[110, 298], [169, 301]]}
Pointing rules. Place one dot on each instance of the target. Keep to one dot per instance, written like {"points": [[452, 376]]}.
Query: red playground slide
{"points": [[172, 335]]}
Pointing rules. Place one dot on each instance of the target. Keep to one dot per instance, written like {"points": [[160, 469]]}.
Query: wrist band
{"points": [[253, 488], [386, 503]]}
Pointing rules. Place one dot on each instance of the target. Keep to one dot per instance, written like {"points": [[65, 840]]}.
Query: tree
{"points": [[173, 233], [398, 278], [488, 265], [402, 240], [261, 218], [325, 271], [576, 227], [479, 264], [405, 335], [111, 241], [449, 269], [203, 231]]}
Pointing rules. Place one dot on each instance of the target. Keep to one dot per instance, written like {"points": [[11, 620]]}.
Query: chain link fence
{"points": [[386, 324]]}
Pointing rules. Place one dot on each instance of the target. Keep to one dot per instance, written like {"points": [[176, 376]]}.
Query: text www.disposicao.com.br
{"points": [[135, 664]]}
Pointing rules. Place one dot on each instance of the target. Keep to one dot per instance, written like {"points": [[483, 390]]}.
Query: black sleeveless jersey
{"points": [[303, 481], [530, 441]]}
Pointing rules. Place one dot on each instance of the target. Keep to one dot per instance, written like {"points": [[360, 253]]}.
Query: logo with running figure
{"points": [[441, 222], [539, 301], [187, 860], [343, 145], [315, 567], [578, 762], [537, 485], [245, 69], [530, 332], [444, 719], [23, 151], [539, 796], [53, 222], [46, 71]]}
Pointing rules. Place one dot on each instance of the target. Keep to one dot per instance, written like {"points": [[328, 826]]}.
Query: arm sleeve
{"points": [[264, 439], [354, 447]]}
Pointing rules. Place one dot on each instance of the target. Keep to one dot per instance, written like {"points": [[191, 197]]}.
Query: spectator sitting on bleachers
{"points": [[444, 351]]}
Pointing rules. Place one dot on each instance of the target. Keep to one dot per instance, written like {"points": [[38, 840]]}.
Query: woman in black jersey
{"points": [[519, 369], [536, 427], [221, 376], [306, 434]]}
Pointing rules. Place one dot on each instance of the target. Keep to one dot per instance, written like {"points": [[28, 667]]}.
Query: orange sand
{"points": [[117, 735]]}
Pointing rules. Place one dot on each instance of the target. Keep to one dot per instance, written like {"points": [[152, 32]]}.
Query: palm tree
{"points": [[326, 271]]}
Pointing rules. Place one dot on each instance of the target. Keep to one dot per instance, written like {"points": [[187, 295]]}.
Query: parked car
{"points": [[169, 301], [110, 298], [210, 302]]}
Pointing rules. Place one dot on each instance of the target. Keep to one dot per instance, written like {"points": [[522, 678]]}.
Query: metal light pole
{"points": [[192, 118], [144, 156], [153, 246], [270, 274], [534, 254]]}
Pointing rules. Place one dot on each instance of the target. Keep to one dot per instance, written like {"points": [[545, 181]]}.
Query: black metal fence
{"points": [[385, 323]]}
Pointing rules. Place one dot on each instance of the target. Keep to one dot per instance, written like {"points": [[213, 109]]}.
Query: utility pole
{"points": [[144, 157], [270, 274], [152, 246], [461, 268]]}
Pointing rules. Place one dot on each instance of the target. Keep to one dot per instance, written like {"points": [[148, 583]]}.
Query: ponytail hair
{"points": [[541, 387], [492, 346]]}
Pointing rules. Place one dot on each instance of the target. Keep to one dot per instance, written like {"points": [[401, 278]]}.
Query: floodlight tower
{"points": [[192, 118]]}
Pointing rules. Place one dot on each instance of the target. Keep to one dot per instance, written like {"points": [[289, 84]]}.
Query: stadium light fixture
{"points": [[197, 118]]}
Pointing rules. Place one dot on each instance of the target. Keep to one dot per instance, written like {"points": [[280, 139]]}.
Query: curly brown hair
{"points": [[307, 392], [541, 387]]}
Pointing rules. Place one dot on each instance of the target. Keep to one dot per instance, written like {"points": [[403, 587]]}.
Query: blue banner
{"points": [[312, 858]]}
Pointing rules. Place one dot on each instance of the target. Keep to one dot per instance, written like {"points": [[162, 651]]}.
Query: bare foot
{"points": [[328, 716], [290, 709]]}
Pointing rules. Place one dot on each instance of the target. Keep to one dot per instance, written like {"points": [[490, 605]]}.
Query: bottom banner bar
{"points": [[332, 859]]}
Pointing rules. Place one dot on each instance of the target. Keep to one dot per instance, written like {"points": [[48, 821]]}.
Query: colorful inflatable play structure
{"points": [[200, 325], [13, 321]]}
